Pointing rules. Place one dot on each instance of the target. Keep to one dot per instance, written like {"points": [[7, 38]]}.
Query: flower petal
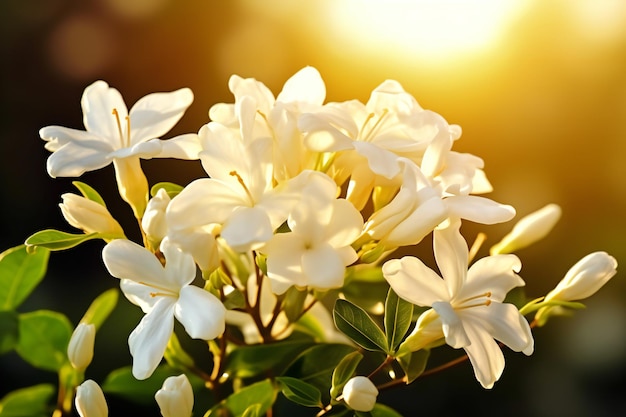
{"points": [[484, 354], [200, 312], [452, 256], [451, 325], [98, 103], [323, 267], [247, 228], [306, 86], [479, 209], [414, 281], [494, 274], [149, 339], [156, 114]]}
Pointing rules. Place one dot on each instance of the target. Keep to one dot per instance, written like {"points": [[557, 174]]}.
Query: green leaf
{"points": [[176, 356], [355, 323], [300, 392], [343, 372], [293, 303], [122, 383], [88, 192], [398, 315], [253, 400], [43, 340], [381, 410], [413, 364], [20, 273], [170, 188], [58, 240], [249, 361], [101, 308], [367, 294], [27, 402], [317, 364], [9, 330]]}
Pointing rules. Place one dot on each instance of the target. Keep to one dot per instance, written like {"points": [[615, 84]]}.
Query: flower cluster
{"points": [[303, 206]]}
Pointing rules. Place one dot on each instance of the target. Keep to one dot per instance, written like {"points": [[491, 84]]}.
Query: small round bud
{"points": [[360, 394], [175, 398], [80, 348], [90, 400]]}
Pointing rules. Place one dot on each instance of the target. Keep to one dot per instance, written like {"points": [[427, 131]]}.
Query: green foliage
{"points": [[170, 188], [89, 193], [355, 323], [176, 356], [57, 240], [122, 383], [273, 358], [316, 364], [21, 270], [398, 315], [413, 364], [251, 401], [27, 402], [43, 339], [9, 330], [380, 410], [343, 372], [300, 392], [293, 303], [100, 308]]}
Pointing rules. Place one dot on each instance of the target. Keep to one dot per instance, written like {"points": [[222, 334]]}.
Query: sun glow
{"points": [[423, 28]]}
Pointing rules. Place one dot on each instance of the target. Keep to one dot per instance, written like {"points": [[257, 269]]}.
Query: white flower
{"points": [[360, 394], [317, 250], [90, 400], [467, 308], [528, 230], [88, 215], [175, 398], [585, 278], [80, 348], [162, 292], [115, 135]]}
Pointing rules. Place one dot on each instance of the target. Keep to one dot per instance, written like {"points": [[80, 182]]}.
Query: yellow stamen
{"points": [[243, 184], [376, 125], [119, 126]]}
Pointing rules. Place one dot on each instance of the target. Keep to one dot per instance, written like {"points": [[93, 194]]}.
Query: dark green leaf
{"points": [[88, 192], [176, 356], [27, 402], [122, 383], [343, 372], [58, 240], [43, 339], [170, 188], [249, 361], [300, 392], [413, 364], [253, 400], [381, 410], [398, 315], [316, 364], [20, 273], [355, 323], [9, 330], [101, 308]]}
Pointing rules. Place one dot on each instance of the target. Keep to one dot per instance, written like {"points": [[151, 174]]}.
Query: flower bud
{"points": [[360, 394], [88, 215], [175, 398], [585, 278], [90, 400], [528, 230], [153, 222], [80, 348]]}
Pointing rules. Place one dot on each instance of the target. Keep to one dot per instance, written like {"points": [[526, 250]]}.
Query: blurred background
{"points": [[538, 86]]}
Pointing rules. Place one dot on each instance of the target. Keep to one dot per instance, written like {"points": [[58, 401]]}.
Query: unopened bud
{"points": [[175, 398], [88, 215], [80, 348], [153, 222], [360, 394], [585, 278], [90, 400], [528, 230]]}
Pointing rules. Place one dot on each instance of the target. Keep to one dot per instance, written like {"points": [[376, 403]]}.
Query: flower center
{"points": [[163, 292], [125, 141], [243, 184], [475, 301], [369, 135]]}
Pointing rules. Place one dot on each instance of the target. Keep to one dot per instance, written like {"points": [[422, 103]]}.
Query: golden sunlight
{"points": [[433, 29]]}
